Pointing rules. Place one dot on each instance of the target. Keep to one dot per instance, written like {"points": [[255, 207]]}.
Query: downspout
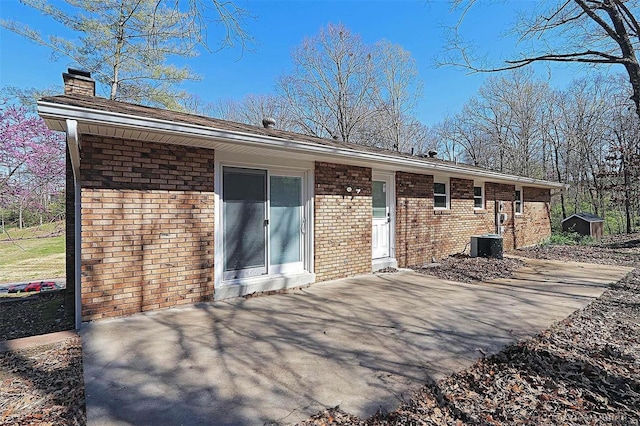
{"points": [[73, 141]]}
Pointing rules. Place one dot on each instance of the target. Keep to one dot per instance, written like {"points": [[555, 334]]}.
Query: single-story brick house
{"points": [[168, 208]]}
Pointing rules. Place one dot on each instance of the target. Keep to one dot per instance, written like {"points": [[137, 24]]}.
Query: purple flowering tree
{"points": [[32, 165]]}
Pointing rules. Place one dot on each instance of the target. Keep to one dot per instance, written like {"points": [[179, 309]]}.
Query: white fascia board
{"points": [[73, 142], [61, 112]]}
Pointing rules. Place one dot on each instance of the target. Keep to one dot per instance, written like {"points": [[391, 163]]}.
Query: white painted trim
{"points": [[310, 222], [481, 184], [581, 218], [234, 288], [218, 258], [515, 202], [73, 142], [447, 188], [52, 111], [390, 179], [247, 286]]}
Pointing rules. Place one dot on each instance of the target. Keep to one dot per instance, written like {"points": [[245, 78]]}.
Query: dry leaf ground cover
{"points": [[584, 370], [43, 385]]}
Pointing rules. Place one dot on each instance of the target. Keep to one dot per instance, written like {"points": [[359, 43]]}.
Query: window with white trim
{"points": [[441, 194], [518, 204], [478, 196]]}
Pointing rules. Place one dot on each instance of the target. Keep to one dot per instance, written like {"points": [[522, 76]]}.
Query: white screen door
{"points": [[381, 218]]}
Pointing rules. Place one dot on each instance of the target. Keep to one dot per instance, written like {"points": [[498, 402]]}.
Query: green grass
{"points": [[41, 231], [31, 256]]}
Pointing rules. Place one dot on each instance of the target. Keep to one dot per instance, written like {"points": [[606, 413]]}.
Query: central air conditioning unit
{"points": [[488, 245]]}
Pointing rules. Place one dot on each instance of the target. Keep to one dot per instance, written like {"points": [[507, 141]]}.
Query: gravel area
{"points": [[43, 385], [584, 370]]}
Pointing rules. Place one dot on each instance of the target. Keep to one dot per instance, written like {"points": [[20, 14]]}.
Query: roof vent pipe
{"points": [[268, 123]]}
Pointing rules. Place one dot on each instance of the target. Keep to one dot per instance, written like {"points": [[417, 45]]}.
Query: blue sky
{"points": [[279, 26]]}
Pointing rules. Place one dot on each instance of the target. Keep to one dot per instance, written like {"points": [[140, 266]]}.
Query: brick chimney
{"points": [[78, 82]]}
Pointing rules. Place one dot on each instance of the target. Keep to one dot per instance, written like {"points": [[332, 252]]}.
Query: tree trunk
{"points": [[627, 195]]}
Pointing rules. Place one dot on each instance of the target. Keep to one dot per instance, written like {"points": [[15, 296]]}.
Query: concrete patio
{"points": [[362, 343]]}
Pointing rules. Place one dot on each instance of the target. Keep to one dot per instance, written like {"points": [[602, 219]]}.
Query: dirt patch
{"points": [[583, 370], [467, 269], [43, 385]]}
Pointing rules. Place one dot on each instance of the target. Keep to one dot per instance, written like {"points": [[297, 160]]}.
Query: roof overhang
{"points": [[589, 220], [119, 125]]}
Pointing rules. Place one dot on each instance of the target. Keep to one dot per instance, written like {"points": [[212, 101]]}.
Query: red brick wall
{"points": [[147, 226], [414, 212], [343, 222], [534, 224], [423, 233], [453, 228], [499, 192]]}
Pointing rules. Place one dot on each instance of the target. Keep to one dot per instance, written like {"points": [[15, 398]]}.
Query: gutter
{"points": [[73, 142], [60, 112]]}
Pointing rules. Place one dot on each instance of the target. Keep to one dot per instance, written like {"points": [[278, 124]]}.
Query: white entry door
{"points": [[381, 237]]}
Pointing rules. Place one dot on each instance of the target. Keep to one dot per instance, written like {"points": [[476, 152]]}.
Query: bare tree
{"points": [[345, 89], [592, 32], [397, 91], [500, 128], [331, 86]]}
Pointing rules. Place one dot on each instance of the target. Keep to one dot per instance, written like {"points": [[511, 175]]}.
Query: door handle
{"points": [[266, 222]]}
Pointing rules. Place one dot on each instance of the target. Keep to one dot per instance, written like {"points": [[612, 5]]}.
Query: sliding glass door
{"points": [[285, 223], [244, 222], [263, 224]]}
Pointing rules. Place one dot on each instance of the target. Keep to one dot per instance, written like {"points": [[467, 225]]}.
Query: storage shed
{"points": [[584, 224]]}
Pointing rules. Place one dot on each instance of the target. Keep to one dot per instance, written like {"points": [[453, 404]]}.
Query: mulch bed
{"points": [[584, 370], [621, 250], [467, 269], [43, 385], [38, 313]]}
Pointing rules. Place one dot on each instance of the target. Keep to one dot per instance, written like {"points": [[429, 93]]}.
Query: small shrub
{"points": [[568, 239]]}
